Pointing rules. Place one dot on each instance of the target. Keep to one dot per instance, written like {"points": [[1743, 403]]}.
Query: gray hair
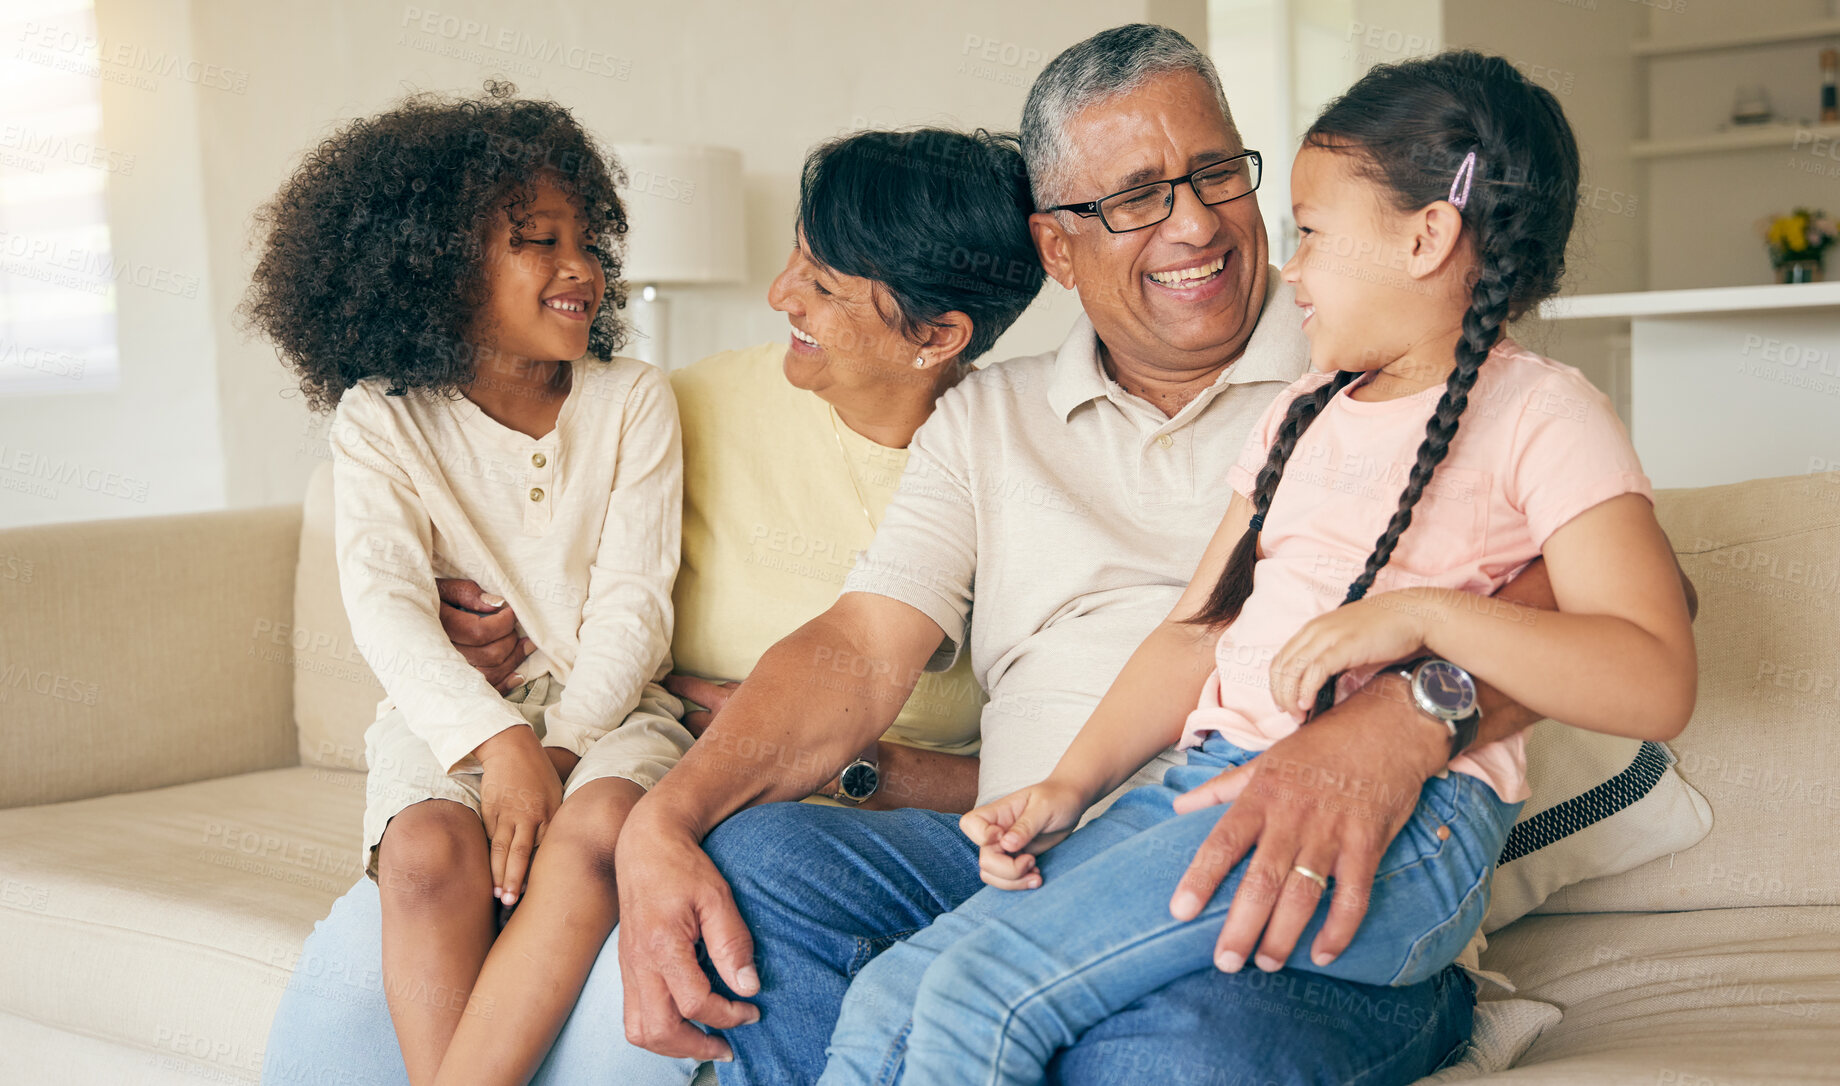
{"points": [[1108, 64]]}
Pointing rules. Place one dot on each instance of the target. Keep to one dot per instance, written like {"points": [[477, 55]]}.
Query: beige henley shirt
{"points": [[1053, 519], [578, 530]]}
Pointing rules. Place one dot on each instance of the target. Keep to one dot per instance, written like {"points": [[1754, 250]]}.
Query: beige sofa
{"points": [[177, 806]]}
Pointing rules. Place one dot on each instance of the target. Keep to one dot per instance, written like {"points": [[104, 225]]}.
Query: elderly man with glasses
{"points": [[1052, 512]]}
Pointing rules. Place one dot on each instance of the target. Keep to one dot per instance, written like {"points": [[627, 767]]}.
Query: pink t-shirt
{"points": [[1537, 446]]}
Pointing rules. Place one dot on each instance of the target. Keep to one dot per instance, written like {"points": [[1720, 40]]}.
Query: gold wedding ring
{"points": [[1319, 880]]}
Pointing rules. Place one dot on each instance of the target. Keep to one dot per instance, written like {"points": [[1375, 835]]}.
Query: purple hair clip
{"points": [[1465, 172]]}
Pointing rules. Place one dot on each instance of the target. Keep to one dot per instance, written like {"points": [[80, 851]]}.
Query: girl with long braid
{"points": [[1425, 460]]}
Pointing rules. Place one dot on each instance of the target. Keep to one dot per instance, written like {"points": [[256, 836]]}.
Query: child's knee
{"points": [[959, 974], [887, 982], [581, 840], [432, 851]]}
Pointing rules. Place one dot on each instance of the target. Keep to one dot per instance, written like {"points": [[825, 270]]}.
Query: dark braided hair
{"points": [[1410, 127]]}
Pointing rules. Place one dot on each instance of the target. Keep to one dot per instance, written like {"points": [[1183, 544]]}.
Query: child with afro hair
{"points": [[446, 277]]}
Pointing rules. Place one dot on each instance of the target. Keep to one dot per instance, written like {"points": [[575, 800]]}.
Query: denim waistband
{"points": [[1218, 750]]}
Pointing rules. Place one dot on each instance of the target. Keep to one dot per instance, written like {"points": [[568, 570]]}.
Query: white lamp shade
{"points": [[683, 207]]}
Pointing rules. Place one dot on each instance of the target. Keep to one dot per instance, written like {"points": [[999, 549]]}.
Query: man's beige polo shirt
{"points": [[1055, 519]]}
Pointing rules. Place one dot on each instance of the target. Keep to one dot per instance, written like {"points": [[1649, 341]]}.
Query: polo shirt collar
{"points": [[1277, 351]]}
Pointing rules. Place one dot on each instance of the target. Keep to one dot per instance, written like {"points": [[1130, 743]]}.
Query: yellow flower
{"points": [[1798, 233]]}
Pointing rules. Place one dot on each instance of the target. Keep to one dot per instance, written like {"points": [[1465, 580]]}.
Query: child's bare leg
{"points": [[536, 970], [434, 876]]}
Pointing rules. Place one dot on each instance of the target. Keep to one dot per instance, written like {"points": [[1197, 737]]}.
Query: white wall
{"points": [[1705, 207], [1281, 61], [1580, 52], [769, 79], [206, 418], [151, 444]]}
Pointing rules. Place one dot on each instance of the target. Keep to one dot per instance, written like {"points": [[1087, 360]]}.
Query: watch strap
{"points": [[1462, 730], [870, 757]]}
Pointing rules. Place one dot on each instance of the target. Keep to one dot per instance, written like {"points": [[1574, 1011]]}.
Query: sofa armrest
{"points": [[130, 654]]}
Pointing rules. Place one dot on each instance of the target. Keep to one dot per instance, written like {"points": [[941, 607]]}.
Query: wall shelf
{"points": [[1704, 301], [1777, 137], [1810, 31]]}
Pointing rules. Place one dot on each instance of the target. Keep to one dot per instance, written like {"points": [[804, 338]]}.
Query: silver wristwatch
{"points": [[859, 780], [1447, 694]]}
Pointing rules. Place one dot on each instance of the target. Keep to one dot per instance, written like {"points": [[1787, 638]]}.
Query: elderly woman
{"points": [[911, 256]]}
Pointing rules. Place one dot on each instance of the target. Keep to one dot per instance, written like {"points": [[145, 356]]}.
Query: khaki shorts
{"points": [[404, 770]]}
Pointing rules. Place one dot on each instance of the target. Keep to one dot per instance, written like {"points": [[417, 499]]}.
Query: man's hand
{"points": [[710, 695], [518, 796], [1329, 797], [485, 631], [671, 896]]}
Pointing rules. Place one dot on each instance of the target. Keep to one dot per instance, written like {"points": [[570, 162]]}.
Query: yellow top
{"points": [[772, 525]]}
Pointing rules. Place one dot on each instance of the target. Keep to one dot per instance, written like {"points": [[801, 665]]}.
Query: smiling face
{"points": [[543, 282], [839, 342], [1371, 288], [1185, 294]]}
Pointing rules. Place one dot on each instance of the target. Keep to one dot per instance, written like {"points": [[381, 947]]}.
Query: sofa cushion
{"points": [[335, 693], [1501, 1032], [1764, 742], [1715, 996], [108, 625], [1602, 804], [167, 922], [42, 1056]]}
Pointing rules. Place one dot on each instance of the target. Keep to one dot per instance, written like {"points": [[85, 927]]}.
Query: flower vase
{"points": [[1801, 271]]}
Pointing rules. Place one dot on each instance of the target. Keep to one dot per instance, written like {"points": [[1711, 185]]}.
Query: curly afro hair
{"points": [[372, 257]]}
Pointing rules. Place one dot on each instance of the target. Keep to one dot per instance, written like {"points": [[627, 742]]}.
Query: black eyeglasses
{"points": [[1147, 205]]}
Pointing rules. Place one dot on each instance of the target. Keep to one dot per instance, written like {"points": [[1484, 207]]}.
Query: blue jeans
{"points": [[827, 892], [996, 989], [333, 1025]]}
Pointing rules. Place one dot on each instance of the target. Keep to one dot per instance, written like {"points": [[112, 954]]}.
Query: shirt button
{"points": [[538, 459], [536, 493], [1443, 833], [1165, 441]]}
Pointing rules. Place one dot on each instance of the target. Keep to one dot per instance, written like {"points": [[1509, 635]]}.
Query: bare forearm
{"points": [[789, 728], [1617, 677], [1143, 712], [929, 779], [1502, 716]]}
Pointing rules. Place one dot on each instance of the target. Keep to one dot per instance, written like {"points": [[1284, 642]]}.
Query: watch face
{"points": [[859, 780], [1447, 689]]}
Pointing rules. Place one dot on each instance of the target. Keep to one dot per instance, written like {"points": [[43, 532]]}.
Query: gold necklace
{"points": [[850, 469]]}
